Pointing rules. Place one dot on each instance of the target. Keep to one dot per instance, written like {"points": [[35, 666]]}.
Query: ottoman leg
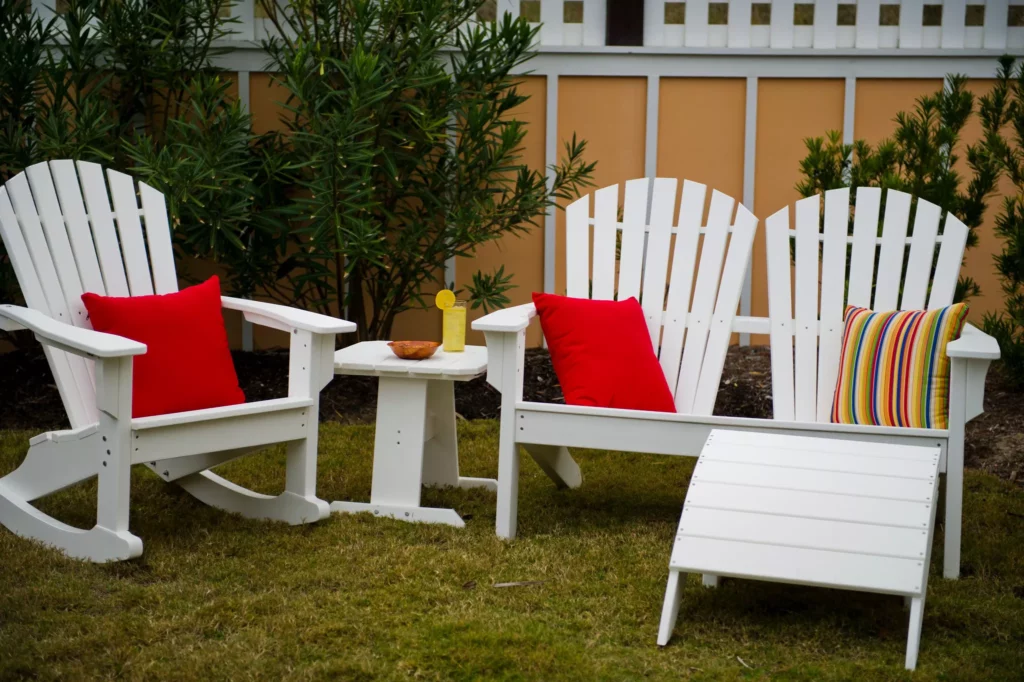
{"points": [[670, 610], [709, 580], [914, 634]]}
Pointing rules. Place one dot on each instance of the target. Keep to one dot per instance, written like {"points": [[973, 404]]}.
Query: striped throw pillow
{"points": [[893, 367]]}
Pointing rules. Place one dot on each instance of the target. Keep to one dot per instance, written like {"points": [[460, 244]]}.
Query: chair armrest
{"points": [[285, 318], [67, 337], [973, 344], [512, 319]]}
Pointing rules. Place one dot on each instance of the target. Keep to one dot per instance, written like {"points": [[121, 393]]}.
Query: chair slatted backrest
{"points": [[690, 324], [806, 338], [65, 235]]}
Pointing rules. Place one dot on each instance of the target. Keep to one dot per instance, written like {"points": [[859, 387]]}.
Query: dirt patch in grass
{"points": [[995, 440]]}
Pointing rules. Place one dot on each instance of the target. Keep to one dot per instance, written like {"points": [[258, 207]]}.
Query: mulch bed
{"points": [[995, 440]]}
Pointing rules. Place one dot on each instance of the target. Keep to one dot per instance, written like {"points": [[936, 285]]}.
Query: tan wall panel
{"points": [[522, 256], [700, 131], [265, 98], [610, 114], [878, 102], [788, 111]]}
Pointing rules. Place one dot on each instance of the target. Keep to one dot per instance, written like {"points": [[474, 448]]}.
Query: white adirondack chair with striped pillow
{"points": [[806, 340], [657, 254], [64, 237]]}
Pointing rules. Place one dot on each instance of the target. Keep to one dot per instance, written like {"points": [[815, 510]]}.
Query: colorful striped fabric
{"points": [[893, 368]]}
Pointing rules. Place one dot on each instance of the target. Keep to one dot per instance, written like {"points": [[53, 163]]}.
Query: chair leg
{"points": [[670, 609], [914, 632], [293, 509], [955, 469], [508, 484], [557, 463]]}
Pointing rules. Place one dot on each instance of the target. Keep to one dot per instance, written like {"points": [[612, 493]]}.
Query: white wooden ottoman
{"points": [[808, 511]]}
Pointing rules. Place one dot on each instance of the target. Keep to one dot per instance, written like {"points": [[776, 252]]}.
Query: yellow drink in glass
{"points": [[454, 328]]}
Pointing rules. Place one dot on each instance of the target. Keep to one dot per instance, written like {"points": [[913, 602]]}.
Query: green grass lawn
{"points": [[358, 598]]}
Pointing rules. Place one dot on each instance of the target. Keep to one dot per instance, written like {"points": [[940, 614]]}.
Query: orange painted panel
{"points": [[788, 111], [265, 102], [523, 255], [700, 131], [611, 114], [878, 102]]}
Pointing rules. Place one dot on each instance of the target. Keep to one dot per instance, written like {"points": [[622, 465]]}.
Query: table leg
{"points": [[400, 453], [441, 450]]}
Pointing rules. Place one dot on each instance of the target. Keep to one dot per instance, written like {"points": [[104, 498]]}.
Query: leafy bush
{"points": [[400, 122], [920, 159]]}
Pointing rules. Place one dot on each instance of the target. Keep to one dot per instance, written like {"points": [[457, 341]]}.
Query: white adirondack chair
{"points": [[62, 246], [803, 383], [692, 338]]}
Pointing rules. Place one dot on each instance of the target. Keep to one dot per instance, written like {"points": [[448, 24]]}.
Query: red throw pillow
{"points": [[602, 353], [187, 365]]}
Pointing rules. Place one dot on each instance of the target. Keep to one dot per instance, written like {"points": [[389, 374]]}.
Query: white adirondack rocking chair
{"points": [[693, 369], [62, 246], [803, 383]]}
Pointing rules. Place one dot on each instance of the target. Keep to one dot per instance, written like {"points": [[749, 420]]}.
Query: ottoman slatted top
{"points": [[810, 511]]}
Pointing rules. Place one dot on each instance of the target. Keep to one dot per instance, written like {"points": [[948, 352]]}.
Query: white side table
{"points": [[415, 443], [809, 511]]}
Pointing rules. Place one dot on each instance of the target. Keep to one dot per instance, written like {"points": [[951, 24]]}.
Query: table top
{"points": [[814, 511], [374, 358]]}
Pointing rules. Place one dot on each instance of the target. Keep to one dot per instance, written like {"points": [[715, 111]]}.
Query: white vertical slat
{"points": [[158, 237], [73, 209], [782, 24], [684, 258], [996, 13], [894, 243], [947, 269], [738, 34], [833, 286], [780, 312], [70, 371], [911, 29], [577, 248], [606, 209], [510, 6], [550, 154], [634, 222], [654, 23], [922, 253], [94, 189], [740, 246], [245, 12], [806, 324], [551, 17], [697, 23], [594, 20], [867, 24], [129, 230], [862, 256], [651, 126], [953, 31], [825, 17], [849, 108], [749, 168], [57, 240], [659, 241], [35, 298], [704, 295]]}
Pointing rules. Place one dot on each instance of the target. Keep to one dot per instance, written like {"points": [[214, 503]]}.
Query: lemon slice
{"points": [[445, 299]]}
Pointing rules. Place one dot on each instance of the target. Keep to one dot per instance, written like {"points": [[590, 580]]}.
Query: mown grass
{"points": [[358, 598]]}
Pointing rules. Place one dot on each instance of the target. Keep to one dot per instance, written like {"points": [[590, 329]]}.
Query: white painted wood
{"points": [[511, 319], [68, 338], [670, 610], [806, 308], [914, 632], [973, 344], [911, 30], [551, 141], [654, 23], [739, 29], [833, 285], [696, 23], [108, 249], [594, 17], [684, 258], [398, 444], [825, 14], [577, 248], [512, 367], [557, 463], [780, 306], [659, 245], [374, 358], [72, 207], [782, 24], [953, 15], [631, 256], [862, 255], [947, 268], [705, 292], [749, 168], [955, 469], [606, 209], [158, 238], [551, 28], [995, 29], [890, 259], [129, 231], [867, 24], [285, 318], [922, 253], [864, 461]]}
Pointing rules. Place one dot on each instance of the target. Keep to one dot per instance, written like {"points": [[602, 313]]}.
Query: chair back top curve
{"points": [[689, 288], [835, 268], [70, 228]]}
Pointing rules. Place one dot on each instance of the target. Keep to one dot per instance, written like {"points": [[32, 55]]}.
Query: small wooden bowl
{"points": [[413, 350]]}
